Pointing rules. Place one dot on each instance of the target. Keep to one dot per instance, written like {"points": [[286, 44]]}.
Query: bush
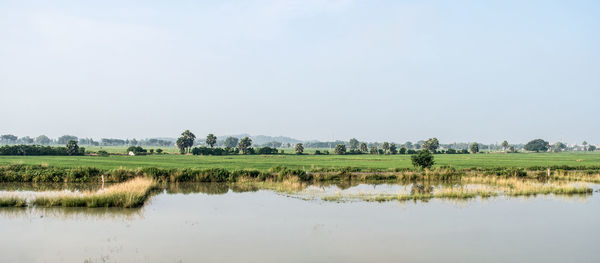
{"points": [[340, 149], [137, 150], [103, 153], [423, 159], [266, 150], [411, 151], [38, 150]]}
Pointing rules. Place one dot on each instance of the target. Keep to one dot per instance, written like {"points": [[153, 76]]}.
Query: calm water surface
{"points": [[264, 226]]}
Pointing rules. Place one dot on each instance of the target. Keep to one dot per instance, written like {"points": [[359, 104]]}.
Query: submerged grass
{"points": [[129, 194]]}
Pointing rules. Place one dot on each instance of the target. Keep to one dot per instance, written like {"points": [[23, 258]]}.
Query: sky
{"points": [[461, 71]]}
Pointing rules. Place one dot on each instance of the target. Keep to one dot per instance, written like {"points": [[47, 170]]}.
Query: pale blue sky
{"points": [[375, 70]]}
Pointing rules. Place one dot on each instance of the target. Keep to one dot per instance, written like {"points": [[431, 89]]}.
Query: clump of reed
{"points": [[12, 201], [132, 193]]}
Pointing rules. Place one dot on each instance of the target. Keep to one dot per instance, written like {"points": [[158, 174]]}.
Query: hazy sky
{"points": [[375, 70]]}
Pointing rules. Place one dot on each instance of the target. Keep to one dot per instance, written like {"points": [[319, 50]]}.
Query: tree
{"points": [[9, 138], [591, 148], [423, 159], [374, 150], [340, 149], [244, 145], [42, 139], [299, 148], [474, 147], [537, 145], [408, 145], [393, 149], [26, 140], [363, 147], [505, 145], [431, 144], [231, 142], [186, 141], [180, 145], [402, 150], [72, 147], [353, 144], [66, 138], [385, 146], [559, 147], [512, 149], [584, 145], [211, 140]]}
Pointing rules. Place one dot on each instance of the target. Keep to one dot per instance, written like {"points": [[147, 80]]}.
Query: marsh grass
{"points": [[132, 193], [12, 201]]}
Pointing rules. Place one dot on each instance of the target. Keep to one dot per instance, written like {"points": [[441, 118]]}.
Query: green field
{"points": [[264, 162]]}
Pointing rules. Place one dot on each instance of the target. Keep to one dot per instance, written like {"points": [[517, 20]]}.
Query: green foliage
{"points": [[385, 146], [363, 147], [299, 148], [266, 150], [374, 150], [353, 144], [231, 142], [340, 149], [36, 150], [211, 140], [402, 150], [393, 149], [432, 144], [137, 150], [505, 145], [423, 159], [474, 148], [72, 148], [537, 145], [186, 141], [159, 151], [103, 153], [66, 138], [244, 145]]}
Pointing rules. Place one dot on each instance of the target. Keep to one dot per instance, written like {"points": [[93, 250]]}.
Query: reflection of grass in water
{"points": [[485, 187], [445, 193], [132, 193], [72, 213]]}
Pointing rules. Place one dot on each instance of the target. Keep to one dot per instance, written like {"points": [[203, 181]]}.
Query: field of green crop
{"points": [[264, 162]]}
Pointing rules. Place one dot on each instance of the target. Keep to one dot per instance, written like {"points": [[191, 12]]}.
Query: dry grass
{"points": [[132, 193], [12, 201]]}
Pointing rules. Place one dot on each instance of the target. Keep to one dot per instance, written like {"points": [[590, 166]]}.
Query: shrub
{"points": [[340, 149], [423, 159]]}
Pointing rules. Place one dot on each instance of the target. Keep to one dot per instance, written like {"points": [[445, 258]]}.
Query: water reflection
{"points": [[69, 213]]}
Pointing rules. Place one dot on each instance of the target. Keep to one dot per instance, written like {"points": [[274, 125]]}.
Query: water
{"points": [[182, 224]]}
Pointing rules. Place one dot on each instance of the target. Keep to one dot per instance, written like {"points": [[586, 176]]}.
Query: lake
{"points": [[213, 223]]}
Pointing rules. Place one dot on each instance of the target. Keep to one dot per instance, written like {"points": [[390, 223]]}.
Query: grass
{"points": [[12, 201], [129, 194], [483, 188], [265, 162]]}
